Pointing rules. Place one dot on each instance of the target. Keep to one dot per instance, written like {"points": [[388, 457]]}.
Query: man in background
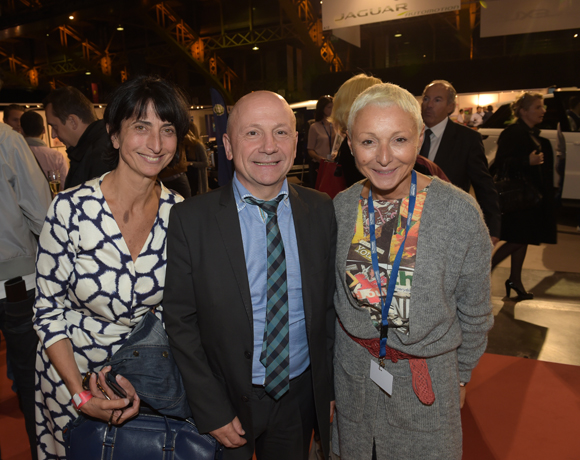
{"points": [[458, 150], [72, 118], [477, 117], [24, 201], [48, 159], [12, 114], [487, 115]]}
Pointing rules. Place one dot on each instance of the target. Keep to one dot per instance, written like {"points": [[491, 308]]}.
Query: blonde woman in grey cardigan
{"points": [[404, 352]]}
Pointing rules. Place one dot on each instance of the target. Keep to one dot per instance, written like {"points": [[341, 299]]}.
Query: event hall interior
{"points": [[523, 401]]}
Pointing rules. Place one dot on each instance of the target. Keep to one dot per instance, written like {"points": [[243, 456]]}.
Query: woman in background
{"points": [[522, 152], [343, 99], [320, 137]]}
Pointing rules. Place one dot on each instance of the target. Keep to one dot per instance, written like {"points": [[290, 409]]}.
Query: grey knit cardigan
{"points": [[450, 304]]}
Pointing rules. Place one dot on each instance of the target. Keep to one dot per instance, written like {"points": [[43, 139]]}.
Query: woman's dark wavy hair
{"points": [[320, 105], [132, 98]]}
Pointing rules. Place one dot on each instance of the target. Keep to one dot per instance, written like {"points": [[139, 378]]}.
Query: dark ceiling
{"points": [[202, 43]]}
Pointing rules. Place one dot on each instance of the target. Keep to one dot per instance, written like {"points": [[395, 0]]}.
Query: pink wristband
{"points": [[80, 399]]}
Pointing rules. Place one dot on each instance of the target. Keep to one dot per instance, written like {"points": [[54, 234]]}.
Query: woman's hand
{"points": [[115, 410], [462, 393], [536, 158]]}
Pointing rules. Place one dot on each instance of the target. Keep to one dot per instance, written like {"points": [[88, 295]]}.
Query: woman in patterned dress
{"points": [[399, 398], [101, 261]]}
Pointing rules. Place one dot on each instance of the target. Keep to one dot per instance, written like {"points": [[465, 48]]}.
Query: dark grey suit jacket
{"points": [[461, 156], [208, 309]]}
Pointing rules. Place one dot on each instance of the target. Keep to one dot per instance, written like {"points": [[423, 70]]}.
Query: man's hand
{"points": [[536, 158], [231, 434]]}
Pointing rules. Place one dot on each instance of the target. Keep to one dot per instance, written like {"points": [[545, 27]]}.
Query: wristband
{"points": [[80, 399]]}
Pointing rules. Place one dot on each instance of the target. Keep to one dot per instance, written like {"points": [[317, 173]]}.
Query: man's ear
{"points": [[228, 146], [74, 121]]}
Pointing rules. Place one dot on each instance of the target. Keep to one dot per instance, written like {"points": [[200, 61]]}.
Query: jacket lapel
{"points": [[445, 150], [231, 237], [302, 226]]}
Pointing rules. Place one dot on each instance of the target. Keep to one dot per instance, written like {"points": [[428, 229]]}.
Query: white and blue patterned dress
{"points": [[89, 291]]}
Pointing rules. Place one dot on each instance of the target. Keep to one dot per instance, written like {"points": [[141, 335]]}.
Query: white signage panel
{"points": [[347, 13], [503, 17], [349, 34]]}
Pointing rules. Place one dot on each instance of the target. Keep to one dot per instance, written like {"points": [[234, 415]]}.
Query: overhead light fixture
{"points": [[575, 35], [255, 48], [27, 106], [398, 35], [120, 27], [87, 73], [71, 17]]}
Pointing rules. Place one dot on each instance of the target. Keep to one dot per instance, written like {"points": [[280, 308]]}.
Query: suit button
{"points": [[245, 398], [248, 355]]}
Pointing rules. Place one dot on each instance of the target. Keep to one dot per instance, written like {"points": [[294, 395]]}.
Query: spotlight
{"points": [[71, 17], [255, 48], [120, 27]]}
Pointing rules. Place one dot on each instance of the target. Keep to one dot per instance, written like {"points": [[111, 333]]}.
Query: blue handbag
{"points": [[145, 437], [145, 359]]}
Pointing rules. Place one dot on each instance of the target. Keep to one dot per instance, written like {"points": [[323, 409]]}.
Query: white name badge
{"points": [[382, 377]]}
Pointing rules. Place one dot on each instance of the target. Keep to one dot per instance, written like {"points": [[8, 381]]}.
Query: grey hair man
{"points": [[458, 151]]}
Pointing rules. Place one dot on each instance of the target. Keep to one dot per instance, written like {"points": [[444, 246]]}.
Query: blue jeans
{"points": [[21, 343]]}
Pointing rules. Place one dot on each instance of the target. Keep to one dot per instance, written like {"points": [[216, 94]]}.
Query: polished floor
{"points": [[548, 327]]}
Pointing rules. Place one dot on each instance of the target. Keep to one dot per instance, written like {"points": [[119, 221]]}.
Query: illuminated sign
{"points": [[347, 13]]}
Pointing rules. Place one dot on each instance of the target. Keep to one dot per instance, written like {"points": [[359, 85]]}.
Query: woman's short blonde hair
{"points": [[387, 95], [524, 101], [345, 96]]}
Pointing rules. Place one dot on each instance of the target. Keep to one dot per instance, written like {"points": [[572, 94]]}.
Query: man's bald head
{"points": [[249, 99]]}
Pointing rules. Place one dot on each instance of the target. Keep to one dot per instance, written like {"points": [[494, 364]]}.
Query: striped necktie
{"points": [[275, 354]]}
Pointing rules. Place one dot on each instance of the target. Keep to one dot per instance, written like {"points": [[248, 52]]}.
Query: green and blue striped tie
{"points": [[275, 354]]}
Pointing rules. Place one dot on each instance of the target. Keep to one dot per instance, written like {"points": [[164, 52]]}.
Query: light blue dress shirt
{"points": [[253, 225]]}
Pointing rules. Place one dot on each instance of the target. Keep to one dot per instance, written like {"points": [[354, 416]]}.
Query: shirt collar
{"points": [[241, 192], [438, 129], [35, 141]]}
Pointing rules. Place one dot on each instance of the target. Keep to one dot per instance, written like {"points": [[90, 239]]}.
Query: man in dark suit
{"points": [[458, 151], [72, 118], [248, 297]]}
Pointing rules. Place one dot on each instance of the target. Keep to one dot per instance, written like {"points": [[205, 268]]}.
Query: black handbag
{"points": [[145, 437], [516, 194], [163, 429]]}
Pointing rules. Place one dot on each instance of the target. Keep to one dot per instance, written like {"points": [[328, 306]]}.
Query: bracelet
{"points": [[80, 399]]}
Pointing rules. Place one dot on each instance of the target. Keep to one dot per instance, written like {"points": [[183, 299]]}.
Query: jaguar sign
{"points": [[347, 13]]}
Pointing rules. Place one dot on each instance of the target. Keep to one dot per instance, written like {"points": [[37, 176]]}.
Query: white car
{"points": [[556, 105]]}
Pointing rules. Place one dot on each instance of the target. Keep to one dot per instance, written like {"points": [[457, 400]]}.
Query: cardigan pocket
{"points": [[404, 410], [350, 393]]}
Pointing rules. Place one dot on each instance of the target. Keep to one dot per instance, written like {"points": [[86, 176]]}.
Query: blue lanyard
{"points": [[386, 303]]}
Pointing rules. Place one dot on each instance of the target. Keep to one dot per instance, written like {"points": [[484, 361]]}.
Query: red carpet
{"points": [[13, 439], [522, 409], [516, 409]]}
